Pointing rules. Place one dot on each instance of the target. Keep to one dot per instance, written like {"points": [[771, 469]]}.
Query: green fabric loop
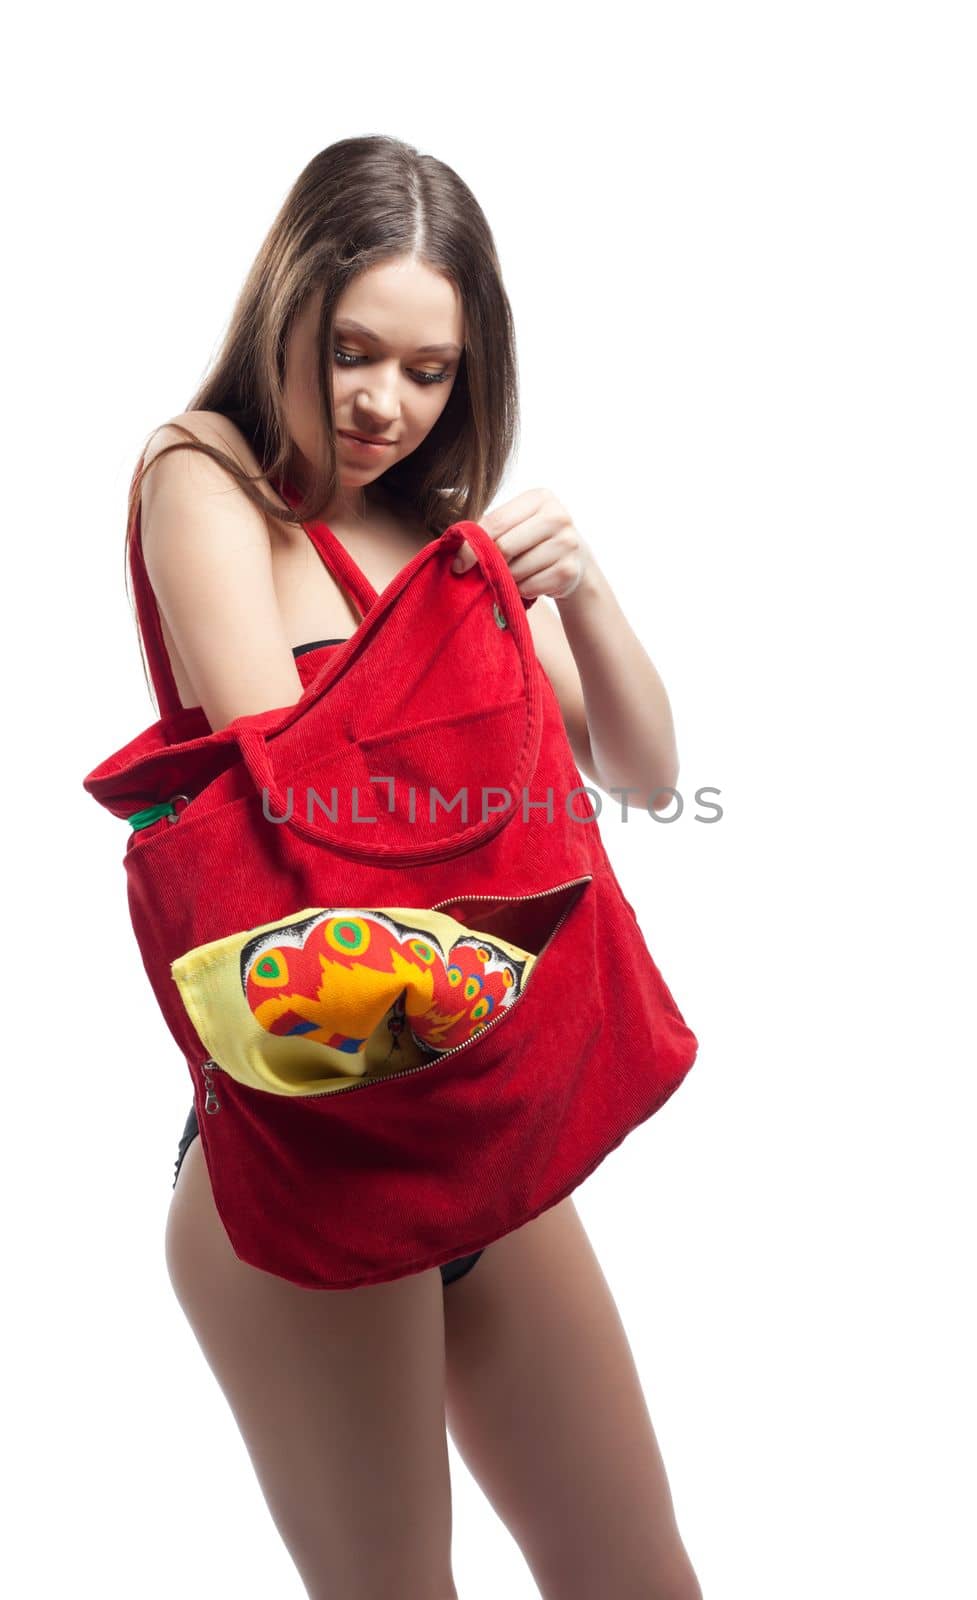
{"points": [[144, 819]]}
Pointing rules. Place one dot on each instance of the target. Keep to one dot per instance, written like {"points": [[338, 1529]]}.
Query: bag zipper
{"points": [[212, 1103]]}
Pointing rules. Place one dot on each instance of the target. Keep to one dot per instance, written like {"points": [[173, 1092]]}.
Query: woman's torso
{"points": [[316, 612]]}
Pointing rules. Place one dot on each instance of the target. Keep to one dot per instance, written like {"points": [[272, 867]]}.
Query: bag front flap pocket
{"points": [[330, 996]]}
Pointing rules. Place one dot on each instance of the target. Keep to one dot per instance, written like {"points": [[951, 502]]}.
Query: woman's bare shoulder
{"points": [[210, 427], [209, 560]]}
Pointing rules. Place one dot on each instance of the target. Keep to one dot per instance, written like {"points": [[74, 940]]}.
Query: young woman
{"points": [[370, 364]]}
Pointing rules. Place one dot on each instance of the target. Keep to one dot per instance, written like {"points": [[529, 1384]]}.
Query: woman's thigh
{"points": [[545, 1405], [339, 1397]]}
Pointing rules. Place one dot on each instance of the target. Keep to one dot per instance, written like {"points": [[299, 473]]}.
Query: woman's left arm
{"points": [[614, 705]]}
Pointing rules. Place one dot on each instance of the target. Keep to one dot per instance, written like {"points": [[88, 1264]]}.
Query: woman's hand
{"points": [[541, 546], [613, 701]]}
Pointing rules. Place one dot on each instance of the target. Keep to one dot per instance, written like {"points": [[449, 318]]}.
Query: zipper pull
{"points": [[211, 1104]]}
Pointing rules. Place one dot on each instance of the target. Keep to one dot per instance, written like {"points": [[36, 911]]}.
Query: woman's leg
{"points": [[545, 1406], [339, 1397]]}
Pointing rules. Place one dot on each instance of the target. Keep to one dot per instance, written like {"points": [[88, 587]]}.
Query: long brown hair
{"points": [[358, 202]]}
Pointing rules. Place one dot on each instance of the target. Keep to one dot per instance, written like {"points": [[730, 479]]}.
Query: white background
{"points": [[740, 248]]}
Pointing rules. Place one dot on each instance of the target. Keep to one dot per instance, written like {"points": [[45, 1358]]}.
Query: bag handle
{"points": [[147, 615], [255, 747], [332, 553]]}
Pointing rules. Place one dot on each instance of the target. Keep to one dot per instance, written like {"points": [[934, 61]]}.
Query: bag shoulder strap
{"points": [[147, 615], [340, 563], [334, 555]]}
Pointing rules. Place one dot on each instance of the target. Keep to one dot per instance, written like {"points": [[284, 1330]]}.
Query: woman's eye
{"points": [[346, 358]]}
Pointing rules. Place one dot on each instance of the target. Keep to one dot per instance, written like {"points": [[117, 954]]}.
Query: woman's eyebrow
{"points": [[348, 326]]}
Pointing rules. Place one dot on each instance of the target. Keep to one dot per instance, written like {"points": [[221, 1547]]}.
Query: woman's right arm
{"points": [[207, 552]]}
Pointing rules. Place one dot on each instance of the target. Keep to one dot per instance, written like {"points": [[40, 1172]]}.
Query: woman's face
{"points": [[399, 332]]}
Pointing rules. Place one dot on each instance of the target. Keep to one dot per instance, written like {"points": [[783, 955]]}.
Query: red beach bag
{"points": [[382, 927]]}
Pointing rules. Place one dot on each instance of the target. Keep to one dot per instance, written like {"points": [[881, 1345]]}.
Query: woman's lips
{"points": [[368, 446]]}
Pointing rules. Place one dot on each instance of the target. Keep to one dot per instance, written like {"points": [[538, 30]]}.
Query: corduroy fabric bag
{"points": [[382, 927]]}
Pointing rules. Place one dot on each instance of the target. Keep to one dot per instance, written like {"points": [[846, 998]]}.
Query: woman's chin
{"points": [[356, 477]]}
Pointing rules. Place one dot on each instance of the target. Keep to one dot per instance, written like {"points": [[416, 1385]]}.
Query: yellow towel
{"points": [[331, 996]]}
